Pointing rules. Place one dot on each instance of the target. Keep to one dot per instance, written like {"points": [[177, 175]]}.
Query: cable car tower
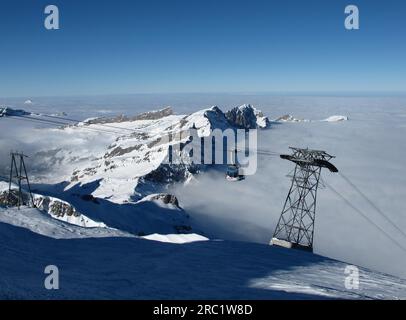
{"points": [[19, 173], [295, 227]]}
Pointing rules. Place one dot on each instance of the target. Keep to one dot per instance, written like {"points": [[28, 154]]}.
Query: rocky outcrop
{"points": [[170, 173], [57, 208], [154, 115], [10, 200], [6, 111], [247, 117], [289, 118], [151, 115], [54, 207], [165, 198]]}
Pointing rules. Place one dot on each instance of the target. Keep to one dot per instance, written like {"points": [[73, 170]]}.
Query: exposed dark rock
{"points": [[56, 208], [242, 117], [170, 173], [151, 115], [217, 118], [154, 115], [51, 205], [11, 200], [118, 151], [6, 111], [166, 198], [89, 197]]}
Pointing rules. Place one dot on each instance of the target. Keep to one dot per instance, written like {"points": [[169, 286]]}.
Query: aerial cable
{"points": [[56, 124], [67, 120], [366, 217], [77, 121], [372, 204], [67, 124]]}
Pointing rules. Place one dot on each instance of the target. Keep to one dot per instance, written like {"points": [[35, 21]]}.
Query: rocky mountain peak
{"points": [[247, 117]]}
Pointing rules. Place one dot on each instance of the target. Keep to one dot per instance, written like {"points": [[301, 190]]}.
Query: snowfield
{"points": [[290, 118], [43, 224], [336, 119], [39, 222], [131, 268], [175, 238], [57, 208]]}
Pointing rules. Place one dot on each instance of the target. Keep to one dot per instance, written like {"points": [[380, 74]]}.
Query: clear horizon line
{"points": [[276, 93]]}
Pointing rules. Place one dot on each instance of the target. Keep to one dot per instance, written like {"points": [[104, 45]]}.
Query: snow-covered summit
{"points": [[290, 118], [139, 153], [150, 115], [336, 119]]}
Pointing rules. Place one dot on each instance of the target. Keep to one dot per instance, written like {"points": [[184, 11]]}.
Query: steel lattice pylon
{"points": [[19, 173], [295, 228]]}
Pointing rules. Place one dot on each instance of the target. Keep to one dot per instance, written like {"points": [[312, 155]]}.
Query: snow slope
{"points": [[290, 118], [56, 208], [156, 213], [41, 223], [131, 268], [175, 238]]}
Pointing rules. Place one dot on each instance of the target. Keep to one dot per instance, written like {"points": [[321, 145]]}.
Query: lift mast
{"points": [[295, 228]]}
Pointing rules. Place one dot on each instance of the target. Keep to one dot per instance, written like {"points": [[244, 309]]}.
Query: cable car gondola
{"points": [[233, 173]]}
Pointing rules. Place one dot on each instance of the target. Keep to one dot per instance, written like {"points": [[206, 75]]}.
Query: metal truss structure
{"points": [[19, 173], [295, 228]]}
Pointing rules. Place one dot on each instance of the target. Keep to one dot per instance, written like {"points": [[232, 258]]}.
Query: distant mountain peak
{"points": [[247, 117]]}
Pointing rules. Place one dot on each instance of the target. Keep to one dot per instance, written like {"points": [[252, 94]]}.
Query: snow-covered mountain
{"points": [[290, 118], [118, 165], [133, 163], [6, 111]]}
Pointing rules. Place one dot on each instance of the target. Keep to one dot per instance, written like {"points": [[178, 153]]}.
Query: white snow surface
{"points": [[45, 203], [111, 265], [41, 223], [336, 118], [290, 118], [176, 238]]}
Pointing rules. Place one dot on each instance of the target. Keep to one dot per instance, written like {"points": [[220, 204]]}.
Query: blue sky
{"points": [[108, 47]]}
